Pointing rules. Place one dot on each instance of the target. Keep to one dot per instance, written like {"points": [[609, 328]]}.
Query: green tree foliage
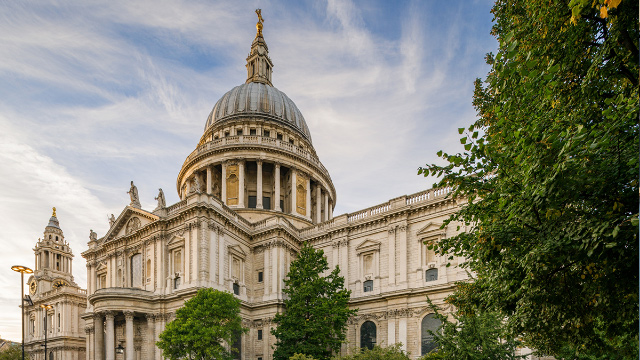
{"points": [[393, 352], [550, 172], [316, 309], [13, 352], [203, 327], [477, 335]]}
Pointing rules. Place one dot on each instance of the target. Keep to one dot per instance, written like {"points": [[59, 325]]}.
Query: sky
{"points": [[94, 94]]}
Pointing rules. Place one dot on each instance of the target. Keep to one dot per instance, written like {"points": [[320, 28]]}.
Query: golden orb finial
{"points": [[259, 23], [54, 212]]}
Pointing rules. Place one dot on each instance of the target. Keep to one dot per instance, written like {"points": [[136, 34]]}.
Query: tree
{"points": [[13, 352], [316, 309], [393, 352], [477, 335], [550, 177], [203, 327]]}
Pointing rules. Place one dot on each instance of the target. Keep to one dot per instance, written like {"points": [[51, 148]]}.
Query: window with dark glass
{"points": [[368, 285], [259, 334], [176, 282], [266, 202], [279, 136], [239, 132], [226, 133], [291, 141], [368, 335], [252, 202], [252, 131], [266, 133], [260, 276], [430, 324], [236, 348], [431, 275], [281, 204], [236, 288]]}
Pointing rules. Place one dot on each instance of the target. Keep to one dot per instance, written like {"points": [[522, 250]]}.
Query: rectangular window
{"points": [[176, 282], [239, 132], [279, 136], [266, 133], [236, 288], [282, 205], [252, 202], [252, 131], [291, 141], [266, 202], [368, 285], [260, 275], [259, 334], [226, 133]]}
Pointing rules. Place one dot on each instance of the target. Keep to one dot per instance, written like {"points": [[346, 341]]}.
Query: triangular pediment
{"points": [[368, 245], [431, 229], [237, 251], [129, 222]]}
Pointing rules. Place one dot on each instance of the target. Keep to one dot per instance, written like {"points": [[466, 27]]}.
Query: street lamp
{"points": [[46, 307], [22, 270]]}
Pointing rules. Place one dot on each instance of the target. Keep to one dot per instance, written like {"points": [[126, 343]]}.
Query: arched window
{"points": [[368, 335], [429, 323], [51, 355], [431, 275], [148, 268], [136, 270], [236, 351]]}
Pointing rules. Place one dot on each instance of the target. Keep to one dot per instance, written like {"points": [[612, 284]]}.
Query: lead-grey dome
{"points": [[261, 100]]}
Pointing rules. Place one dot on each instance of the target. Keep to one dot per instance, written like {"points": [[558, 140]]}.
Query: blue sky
{"points": [[96, 94]]}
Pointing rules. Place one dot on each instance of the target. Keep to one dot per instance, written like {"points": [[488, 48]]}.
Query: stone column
{"points": [[402, 332], [293, 192], [330, 210], [274, 271], [391, 331], [159, 320], [259, 186], [277, 188], [98, 326], [318, 204], [265, 274], [391, 240], [110, 337], [308, 215], [150, 336], [241, 184], [130, 351], [326, 207], [208, 190], [89, 351], [224, 183], [221, 254]]}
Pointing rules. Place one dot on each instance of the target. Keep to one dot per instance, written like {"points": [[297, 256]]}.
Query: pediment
{"points": [[368, 245], [129, 222], [431, 229], [101, 267], [175, 242], [237, 251]]}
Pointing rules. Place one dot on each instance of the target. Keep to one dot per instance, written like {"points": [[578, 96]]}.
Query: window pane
{"points": [[266, 203], [236, 289], [252, 202], [429, 323], [431, 275], [368, 285], [260, 275], [368, 335], [136, 270]]}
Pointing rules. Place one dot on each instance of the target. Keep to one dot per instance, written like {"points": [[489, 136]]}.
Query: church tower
{"points": [[56, 300]]}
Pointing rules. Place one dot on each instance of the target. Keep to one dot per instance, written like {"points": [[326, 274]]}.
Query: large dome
{"points": [[261, 100]]}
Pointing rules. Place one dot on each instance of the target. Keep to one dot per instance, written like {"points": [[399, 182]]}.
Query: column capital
{"points": [[150, 317], [128, 315], [109, 315], [277, 165]]}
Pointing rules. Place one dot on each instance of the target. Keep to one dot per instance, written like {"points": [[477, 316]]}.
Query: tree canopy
{"points": [[549, 172], [204, 328], [316, 309], [12, 352]]}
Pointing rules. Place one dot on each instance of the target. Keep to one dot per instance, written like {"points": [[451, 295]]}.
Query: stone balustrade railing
{"points": [[380, 209], [256, 140]]}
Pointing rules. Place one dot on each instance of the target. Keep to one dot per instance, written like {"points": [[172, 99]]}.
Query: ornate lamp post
{"points": [[22, 270], [46, 307]]}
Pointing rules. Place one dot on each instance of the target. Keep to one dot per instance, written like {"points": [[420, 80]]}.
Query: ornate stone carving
{"points": [[161, 201], [132, 225], [133, 194]]}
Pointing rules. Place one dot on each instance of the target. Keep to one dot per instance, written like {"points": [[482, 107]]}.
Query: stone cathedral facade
{"points": [[252, 192]]}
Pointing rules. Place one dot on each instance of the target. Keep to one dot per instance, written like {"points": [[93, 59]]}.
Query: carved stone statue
{"points": [[112, 220], [197, 185], [133, 194], [161, 201], [92, 235]]}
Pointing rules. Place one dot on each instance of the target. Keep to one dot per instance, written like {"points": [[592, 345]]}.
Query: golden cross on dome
{"points": [[259, 23]]}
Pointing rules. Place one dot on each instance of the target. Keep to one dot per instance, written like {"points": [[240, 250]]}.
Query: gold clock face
{"points": [[59, 283], [33, 286]]}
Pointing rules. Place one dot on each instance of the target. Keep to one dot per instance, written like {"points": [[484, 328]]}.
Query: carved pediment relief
{"points": [[368, 245], [130, 220], [101, 267]]}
